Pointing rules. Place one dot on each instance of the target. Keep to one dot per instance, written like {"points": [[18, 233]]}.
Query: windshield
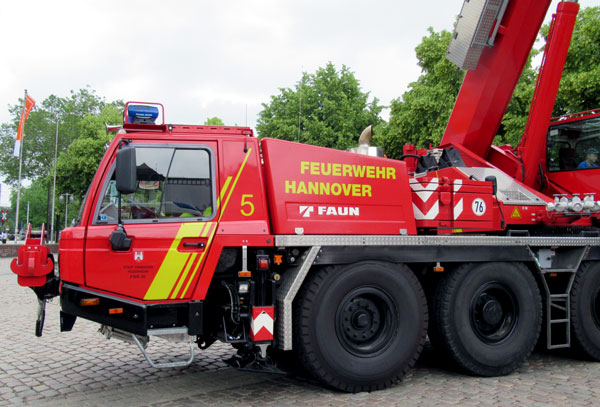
{"points": [[574, 145]]}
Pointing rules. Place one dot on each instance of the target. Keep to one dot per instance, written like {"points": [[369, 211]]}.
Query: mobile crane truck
{"points": [[199, 233]]}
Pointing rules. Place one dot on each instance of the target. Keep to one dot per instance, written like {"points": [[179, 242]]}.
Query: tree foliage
{"points": [[580, 84], [77, 165], [81, 140], [213, 121], [326, 108], [420, 115], [36, 195], [40, 132]]}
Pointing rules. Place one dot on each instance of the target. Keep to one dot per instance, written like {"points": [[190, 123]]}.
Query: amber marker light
{"points": [[88, 302], [115, 311]]}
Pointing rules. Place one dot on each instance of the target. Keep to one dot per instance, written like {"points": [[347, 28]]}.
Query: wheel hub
{"points": [[492, 312], [361, 320], [366, 321]]}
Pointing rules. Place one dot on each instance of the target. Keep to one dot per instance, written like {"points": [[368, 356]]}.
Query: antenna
{"points": [[300, 104]]}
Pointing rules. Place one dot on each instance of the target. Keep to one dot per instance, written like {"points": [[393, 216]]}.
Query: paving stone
{"points": [[82, 368]]}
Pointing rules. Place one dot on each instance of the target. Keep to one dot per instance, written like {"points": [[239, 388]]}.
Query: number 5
{"points": [[245, 201]]}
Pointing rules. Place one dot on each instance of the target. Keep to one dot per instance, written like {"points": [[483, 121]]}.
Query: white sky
{"points": [[203, 59]]}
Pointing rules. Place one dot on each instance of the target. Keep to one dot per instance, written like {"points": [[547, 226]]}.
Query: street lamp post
{"points": [[66, 198]]}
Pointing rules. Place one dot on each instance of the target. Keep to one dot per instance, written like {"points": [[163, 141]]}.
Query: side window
{"points": [[574, 145], [171, 183]]}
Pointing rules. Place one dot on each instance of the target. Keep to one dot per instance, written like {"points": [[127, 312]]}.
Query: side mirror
{"points": [[126, 171]]}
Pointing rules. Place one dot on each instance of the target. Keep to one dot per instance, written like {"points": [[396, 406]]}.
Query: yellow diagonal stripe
{"points": [[212, 233], [188, 266], [173, 263], [204, 234], [223, 191]]}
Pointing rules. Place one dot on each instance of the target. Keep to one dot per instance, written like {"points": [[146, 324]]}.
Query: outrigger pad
{"points": [[32, 265], [34, 261]]}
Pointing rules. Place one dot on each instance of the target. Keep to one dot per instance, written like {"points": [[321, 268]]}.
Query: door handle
{"points": [[199, 245]]}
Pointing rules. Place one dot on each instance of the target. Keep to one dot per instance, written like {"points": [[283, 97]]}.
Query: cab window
{"points": [[574, 145], [172, 183]]}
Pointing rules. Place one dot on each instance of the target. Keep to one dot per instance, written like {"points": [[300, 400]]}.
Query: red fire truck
{"points": [[201, 233]]}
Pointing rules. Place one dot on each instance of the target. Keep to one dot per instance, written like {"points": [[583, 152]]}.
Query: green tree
{"points": [[420, 115], [580, 84], [326, 108], [213, 121], [40, 131], [37, 197], [77, 165]]}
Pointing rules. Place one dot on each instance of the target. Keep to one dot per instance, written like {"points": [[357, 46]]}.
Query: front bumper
{"points": [[128, 315]]}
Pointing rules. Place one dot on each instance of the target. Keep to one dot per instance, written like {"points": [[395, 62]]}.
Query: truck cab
{"points": [[573, 142], [148, 247]]}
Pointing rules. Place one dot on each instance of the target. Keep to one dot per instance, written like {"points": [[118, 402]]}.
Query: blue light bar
{"points": [[142, 114]]}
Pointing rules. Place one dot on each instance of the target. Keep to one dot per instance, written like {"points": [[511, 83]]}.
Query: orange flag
{"points": [[29, 103]]}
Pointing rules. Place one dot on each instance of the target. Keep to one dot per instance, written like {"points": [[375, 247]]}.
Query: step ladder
{"points": [[557, 268]]}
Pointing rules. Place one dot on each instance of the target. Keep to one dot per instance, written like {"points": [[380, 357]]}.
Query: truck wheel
{"points": [[360, 327], [585, 310], [487, 317]]}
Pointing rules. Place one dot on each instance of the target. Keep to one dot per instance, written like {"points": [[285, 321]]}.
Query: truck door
{"points": [[169, 218]]}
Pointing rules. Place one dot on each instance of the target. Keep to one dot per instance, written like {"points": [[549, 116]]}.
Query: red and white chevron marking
{"points": [[424, 207], [458, 207], [261, 325], [427, 208]]}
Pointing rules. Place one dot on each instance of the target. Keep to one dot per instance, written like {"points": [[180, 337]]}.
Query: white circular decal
{"points": [[478, 207]]}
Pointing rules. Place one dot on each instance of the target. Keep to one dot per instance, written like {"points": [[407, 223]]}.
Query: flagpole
{"points": [[54, 182], [20, 162]]}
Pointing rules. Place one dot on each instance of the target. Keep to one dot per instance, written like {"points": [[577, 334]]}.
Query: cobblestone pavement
{"points": [[81, 368]]}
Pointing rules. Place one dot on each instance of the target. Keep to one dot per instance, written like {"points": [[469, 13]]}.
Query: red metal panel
{"points": [[486, 91], [448, 201], [241, 179], [577, 181], [327, 191], [123, 272], [243, 216], [70, 256]]}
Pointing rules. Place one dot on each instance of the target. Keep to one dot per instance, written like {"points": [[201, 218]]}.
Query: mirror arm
{"points": [[119, 219]]}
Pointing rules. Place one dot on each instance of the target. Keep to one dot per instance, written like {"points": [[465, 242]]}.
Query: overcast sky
{"points": [[203, 59]]}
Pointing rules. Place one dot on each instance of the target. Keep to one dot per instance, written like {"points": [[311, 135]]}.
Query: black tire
{"points": [[486, 317], [585, 310], [360, 327]]}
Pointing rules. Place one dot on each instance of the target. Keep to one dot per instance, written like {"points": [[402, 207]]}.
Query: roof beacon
{"points": [[142, 114]]}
